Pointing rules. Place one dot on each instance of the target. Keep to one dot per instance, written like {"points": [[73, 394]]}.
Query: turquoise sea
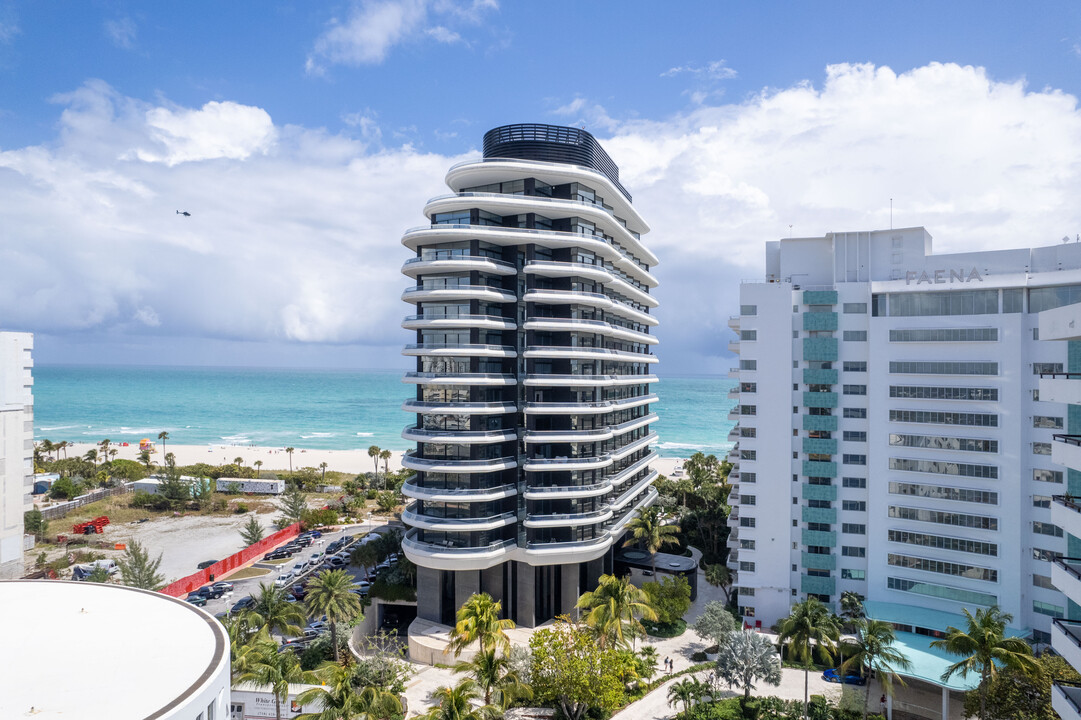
{"points": [[319, 409]]}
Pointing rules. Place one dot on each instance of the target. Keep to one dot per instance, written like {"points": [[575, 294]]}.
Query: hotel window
{"points": [[853, 551], [944, 335], [938, 467], [746, 591], [1049, 298], [944, 418], [935, 492], [1013, 300], [748, 387], [855, 436], [747, 522], [746, 566], [1036, 395], [747, 500], [1043, 581], [856, 505], [748, 432], [855, 389], [748, 364], [1042, 528], [1041, 501], [746, 544], [1046, 608], [938, 442], [942, 567], [855, 413], [915, 392], [748, 334], [853, 574], [853, 529], [942, 367], [750, 310], [1048, 476], [1041, 448], [746, 611], [748, 477], [1047, 422], [969, 597], [1046, 368], [855, 366], [978, 522], [854, 482], [854, 336], [748, 409], [854, 308], [926, 304], [1045, 555], [941, 542], [851, 459], [748, 454]]}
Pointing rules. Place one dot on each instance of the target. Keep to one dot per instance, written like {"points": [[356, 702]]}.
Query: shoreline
{"points": [[276, 459]]}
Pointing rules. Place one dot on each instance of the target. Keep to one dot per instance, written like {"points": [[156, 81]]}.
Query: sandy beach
{"points": [[275, 458]]}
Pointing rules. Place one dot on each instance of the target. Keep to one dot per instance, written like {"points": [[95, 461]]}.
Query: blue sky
{"points": [[305, 137]]}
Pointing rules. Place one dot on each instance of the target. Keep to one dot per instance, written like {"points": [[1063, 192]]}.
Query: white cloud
{"points": [[373, 27], [121, 32], [217, 130], [715, 70], [580, 112]]}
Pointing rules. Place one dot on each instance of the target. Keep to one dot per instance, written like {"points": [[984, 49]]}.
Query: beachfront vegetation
{"points": [[572, 671], [670, 598], [36, 524], [715, 623], [699, 502], [138, 570], [613, 611], [331, 594], [810, 632], [478, 621], [650, 532], [745, 658], [292, 503], [873, 655], [1019, 695], [252, 532]]}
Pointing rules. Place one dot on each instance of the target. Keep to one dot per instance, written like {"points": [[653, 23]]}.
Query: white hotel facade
{"points": [[16, 447], [889, 403]]}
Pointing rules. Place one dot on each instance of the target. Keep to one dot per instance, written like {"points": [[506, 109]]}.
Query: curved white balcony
{"points": [[633, 446], [443, 263], [633, 335], [567, 491], [553, 324], [458, 437], [474, 379], [557, 269], [561, 464], [617, 528], [567, 436], [634, 490], [566, 552], [634, 424], [568, 408], [633, 402], [411, 461], [484, 322], [497, 235], [412, 518], [631, 470], [411, 489], [568, 519], [451, 557], [487, 293], [733, 394], [591, 299], [545, 380], [460, 350], [586, 353], [422, 407]]}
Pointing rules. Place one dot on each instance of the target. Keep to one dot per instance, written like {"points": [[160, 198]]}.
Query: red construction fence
{"points": [[185, 585]]}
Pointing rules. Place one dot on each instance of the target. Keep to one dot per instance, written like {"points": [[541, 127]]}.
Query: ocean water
{"points": [[318, 409]]}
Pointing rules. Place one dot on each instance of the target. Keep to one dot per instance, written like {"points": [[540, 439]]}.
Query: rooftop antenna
{"points": [[790, 231], [891, 213]]}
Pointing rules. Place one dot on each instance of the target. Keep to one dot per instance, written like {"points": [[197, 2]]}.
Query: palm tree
{"points": [[144, 458], [289, 451], [498, 681], [273, 612], [984, 646], [615, 606], [62, 446], [276, 669], [113, 453], [170, 460], [810, 631], [373, 453], [478, 620], [874, 653], [339, 700], [323, 467], [385, 456], [47, 447], [685, 691], [238, 461], [649, 529], [457, 703], [104, 445], [720, 576], [91, 456], [163, 436], [330, 594], [258, 464]]}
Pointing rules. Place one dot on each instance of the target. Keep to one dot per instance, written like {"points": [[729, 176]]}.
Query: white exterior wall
{"points": [[16, 447], [857, 266]]}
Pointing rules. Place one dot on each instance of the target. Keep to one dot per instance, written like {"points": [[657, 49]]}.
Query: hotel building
{"points": [[889, 399], [534, 363], [16, 448]]}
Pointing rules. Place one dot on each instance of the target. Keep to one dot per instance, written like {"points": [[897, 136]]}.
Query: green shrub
{"points": [[241, 508], [372, 494], [666, 630], [387, 591], [318, 518]]}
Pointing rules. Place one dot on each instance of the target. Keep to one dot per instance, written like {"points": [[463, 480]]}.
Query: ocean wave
{"points": [[236, 438], [58, 427], [318, 435], [692, 446], [365, 434]]}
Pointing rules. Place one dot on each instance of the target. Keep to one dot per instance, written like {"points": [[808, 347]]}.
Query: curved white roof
{"points": [[87, 650]]}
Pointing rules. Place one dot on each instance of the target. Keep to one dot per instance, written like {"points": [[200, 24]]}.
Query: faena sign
{"points": [[939, 277]]}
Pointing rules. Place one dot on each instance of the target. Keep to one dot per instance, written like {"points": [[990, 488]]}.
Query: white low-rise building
{"points": [[16, 447]]}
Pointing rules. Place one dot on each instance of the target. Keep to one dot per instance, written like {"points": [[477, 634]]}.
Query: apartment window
{"points": [[943, 542], [971, 572], [939, 467], [1045, 555], [1041, 501], [1013, 300], [936, 492], [746, 566], [748, 432], [1035, 333], [746, 611], [978, 522], [916, 392], [1046, 608], [746, 591], [1036, 395], [1048, 476], [942, 367], [1047, 422], [1048, 298], [854, 308], [1042, 528], [748, 477], [855, 413], [854, 336], [748, 454], [747, 522], [855, 389], [748, 409], [956, 302], [854, 436], [853, 529], [854, 482], [856, 505], [747, 500], [939, 442], [1046, 368], [853, 574], [750, 310], [1043, 581], [855, 366], [1041, 448], [848, 459], [748, 364], [933, 417], [968, 597], [746, 544], [748, 387], [748, 334], [944, 335], [856, 551], [210, 711], [795, 334]]}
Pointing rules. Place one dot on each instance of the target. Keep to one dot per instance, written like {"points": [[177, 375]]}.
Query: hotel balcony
{"points": [[586, 353], [460, 350], [457, 557], [560, 492], [428, 522], [626, 427], [445, 465], [1066, 514], [631, 470], [733, 434], [554, 269], [1066, 450], [630, 494], [538, 380], [484, 379], [484, 322], [1066, 640], [422, 407], [569, 519], [1066, 576], [560, 464], [437, 262], [590, 299], [733, 346], [733, 322], [733, 394], [733, 414], [485, 494], [459, 437], [633, 447], [567, 436], [1066, 700], [733, 373], [487, 293], [1064, 387]]}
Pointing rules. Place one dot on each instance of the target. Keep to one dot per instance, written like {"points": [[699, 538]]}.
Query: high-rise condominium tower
{"points": [[16, 447], [532, 403]]}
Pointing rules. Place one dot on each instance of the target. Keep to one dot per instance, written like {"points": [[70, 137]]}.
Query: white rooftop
{"points": [[87, 650]]}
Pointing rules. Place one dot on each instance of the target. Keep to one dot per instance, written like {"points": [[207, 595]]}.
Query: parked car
{"points": [[205, 564], [196, 600], [299, 591], [284, 579], [363, 584], [224, 586], [243, 604], [315, 534], [832, 676], [336, 563], [304, 541], [318, 625], [278, 554], [210, 592], [300, 567], [317, 556]]}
